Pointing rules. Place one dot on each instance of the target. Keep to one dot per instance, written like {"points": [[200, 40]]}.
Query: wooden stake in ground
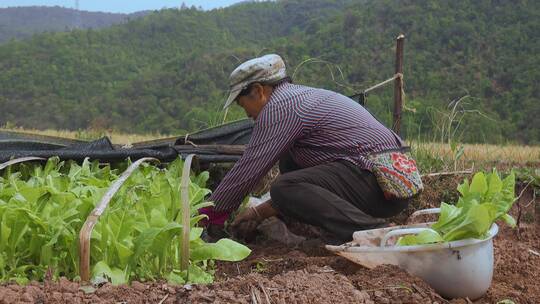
{"points": [[398, 85]]}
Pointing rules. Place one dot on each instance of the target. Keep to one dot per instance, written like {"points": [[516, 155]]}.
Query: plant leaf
{"points": [[224, 250], [424, 237]]}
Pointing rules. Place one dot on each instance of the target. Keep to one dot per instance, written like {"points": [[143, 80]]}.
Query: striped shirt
{"points": [[315, 126]]}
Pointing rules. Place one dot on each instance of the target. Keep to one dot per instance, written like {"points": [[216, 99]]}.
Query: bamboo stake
{"points": [[184, 197], [448, 173], [19, 160], [86, 231], [398, 85]]}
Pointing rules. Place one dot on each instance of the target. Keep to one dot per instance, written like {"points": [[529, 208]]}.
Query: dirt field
{"points": [[309, 274]]}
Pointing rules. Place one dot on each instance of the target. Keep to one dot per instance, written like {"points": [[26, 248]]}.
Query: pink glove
{"points": [[214, 217]]}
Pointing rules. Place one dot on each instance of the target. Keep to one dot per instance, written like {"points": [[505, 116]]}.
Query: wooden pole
{"points": [[398, 85]]}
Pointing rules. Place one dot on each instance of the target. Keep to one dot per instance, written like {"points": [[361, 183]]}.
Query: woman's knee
{"points": [[279, 189], [392, 208]]}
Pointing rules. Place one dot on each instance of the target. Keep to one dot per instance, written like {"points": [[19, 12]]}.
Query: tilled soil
{"points": [[275, 273], [517, 266]]}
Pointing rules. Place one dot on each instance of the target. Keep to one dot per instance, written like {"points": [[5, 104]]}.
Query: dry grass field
{"points": [[511, 153]]}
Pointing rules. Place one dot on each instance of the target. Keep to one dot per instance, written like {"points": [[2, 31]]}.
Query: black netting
{"points": [[16, 145]]}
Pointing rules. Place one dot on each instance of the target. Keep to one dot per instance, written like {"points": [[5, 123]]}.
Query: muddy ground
{"points": [[309, 274]]}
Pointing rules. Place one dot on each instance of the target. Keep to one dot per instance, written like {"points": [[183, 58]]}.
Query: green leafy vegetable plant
{"points": [[486, 199], [42, 209]]}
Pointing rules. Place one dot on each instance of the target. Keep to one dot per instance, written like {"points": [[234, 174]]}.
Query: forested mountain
{"points": [[23, 22], [168, 71]]}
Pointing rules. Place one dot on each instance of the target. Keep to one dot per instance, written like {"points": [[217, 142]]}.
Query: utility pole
{"points": [[398, 86], [77, 23]]}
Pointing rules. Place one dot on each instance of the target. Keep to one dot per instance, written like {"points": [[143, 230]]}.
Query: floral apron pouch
{"points": [[396, 174]]}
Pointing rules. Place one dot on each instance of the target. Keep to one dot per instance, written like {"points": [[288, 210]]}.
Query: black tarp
{"points": [[16, 145]]}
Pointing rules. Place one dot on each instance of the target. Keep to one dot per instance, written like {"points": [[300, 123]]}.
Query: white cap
{"points": [[267, 69]]}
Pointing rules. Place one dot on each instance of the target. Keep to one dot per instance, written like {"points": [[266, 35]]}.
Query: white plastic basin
{"points": [[456, 269]]}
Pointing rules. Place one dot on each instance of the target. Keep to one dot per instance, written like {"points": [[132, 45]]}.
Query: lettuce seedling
{"points": [[486, 199], [42, 210]]}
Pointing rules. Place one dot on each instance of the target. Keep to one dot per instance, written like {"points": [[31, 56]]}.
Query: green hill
{"points": [[23, 22], [168, 71]]}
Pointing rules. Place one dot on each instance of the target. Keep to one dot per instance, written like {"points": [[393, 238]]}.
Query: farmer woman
{"points": [[332, 156]]}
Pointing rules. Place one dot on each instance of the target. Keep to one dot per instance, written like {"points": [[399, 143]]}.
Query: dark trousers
{"points": [[338, 197]]}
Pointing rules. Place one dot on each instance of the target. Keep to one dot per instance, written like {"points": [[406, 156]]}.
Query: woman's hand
{"points": [[249, 214], [246, 222]]}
